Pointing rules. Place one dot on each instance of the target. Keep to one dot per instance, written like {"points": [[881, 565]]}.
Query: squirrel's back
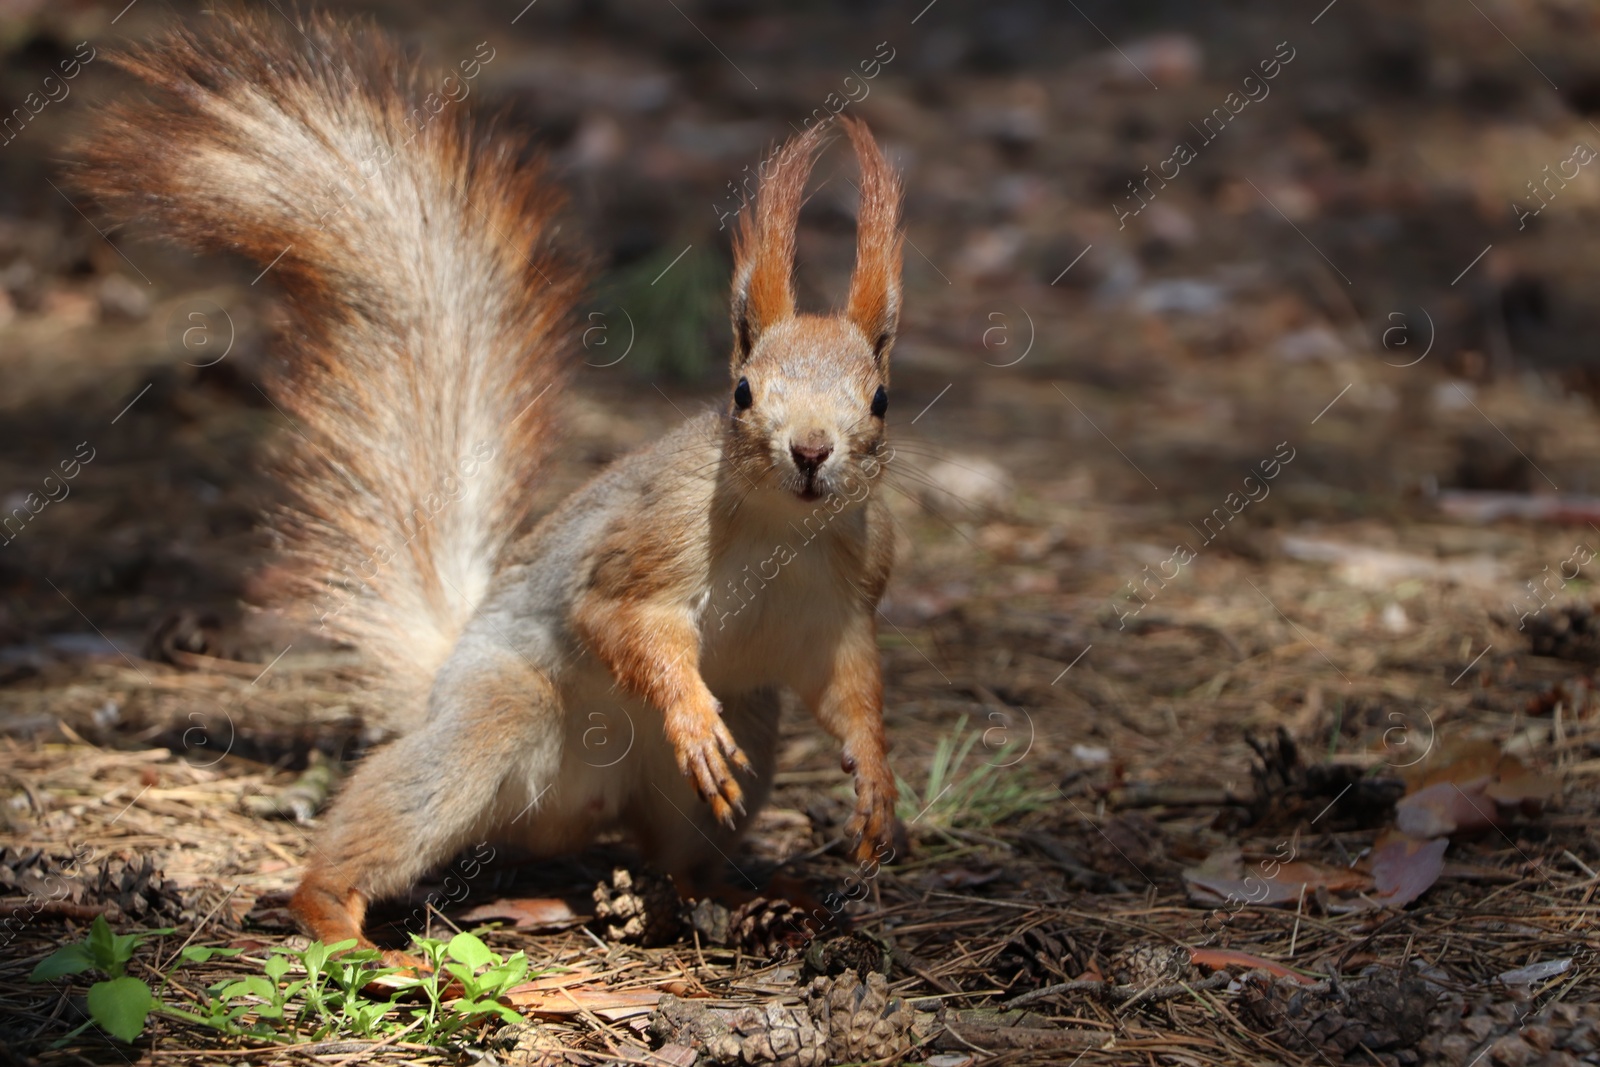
{"points": [[430, 301]]}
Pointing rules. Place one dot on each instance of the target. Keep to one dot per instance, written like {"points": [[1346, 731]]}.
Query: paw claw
{"points": [[703, 757], [871, 826]]}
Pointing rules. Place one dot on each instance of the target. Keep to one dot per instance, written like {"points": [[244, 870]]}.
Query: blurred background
{"points": [[1246, 382], [1149, 246]]}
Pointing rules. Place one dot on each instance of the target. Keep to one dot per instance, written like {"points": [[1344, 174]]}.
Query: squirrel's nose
{"points": [[812, 454]]}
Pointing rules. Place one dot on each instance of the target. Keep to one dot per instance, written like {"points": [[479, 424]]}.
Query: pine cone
{"points": [[139, 890], [711, 920], [1038, 956], [529, 1044], [769, 929], [860, 1018], [638, 909], [1150, 966], [1379, 1012], [33, 873], [843, 1020], [853, 952], [776, 1034], [134, 889]]}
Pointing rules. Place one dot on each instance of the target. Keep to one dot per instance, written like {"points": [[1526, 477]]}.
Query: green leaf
{"points": [[276, 967], [120, 1006], [315, 957], [471, 1009], [471, 951], [111, 951], [250, 986], [505, 975], [202, 953], [102, 945], [68, 959]]}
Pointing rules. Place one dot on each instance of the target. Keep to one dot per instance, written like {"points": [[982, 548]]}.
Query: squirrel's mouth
{"points": [[811, 491]]}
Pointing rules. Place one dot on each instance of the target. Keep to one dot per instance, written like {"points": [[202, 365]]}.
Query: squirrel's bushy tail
{"points": [[430, 304]]}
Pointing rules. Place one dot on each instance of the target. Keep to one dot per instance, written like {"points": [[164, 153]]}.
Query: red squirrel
{"points": [[433, 297]]}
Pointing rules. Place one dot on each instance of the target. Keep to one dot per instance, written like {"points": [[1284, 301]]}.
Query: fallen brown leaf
{"points": [[1445, 807], [1461, 761], [1219, 958], [1467, 790], [1315, 875], [1224, 879], [1405, 867], [612, 1004]]}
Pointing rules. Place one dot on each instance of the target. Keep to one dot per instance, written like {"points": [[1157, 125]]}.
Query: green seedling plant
{"points": [[333, 991], [308, 994], [330, 998], [119, 1003], [462, 958]]}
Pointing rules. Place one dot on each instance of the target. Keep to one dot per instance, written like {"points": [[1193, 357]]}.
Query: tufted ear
{"points": [[875, 286], [764, 245]]}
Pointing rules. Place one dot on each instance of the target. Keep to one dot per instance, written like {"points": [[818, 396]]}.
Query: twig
{"points": [[391, 1039], [56, 909], [196, 932], [1152, 994], [915, 966], [1120, 993], [1080, 985], [952, 1032]]}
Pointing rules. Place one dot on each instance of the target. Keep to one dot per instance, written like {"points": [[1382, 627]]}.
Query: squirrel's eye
{"points": [[880, 402], [741, 395]]}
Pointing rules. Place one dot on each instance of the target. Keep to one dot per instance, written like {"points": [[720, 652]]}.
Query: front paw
{"points": [[703, 746], [871, 828]]}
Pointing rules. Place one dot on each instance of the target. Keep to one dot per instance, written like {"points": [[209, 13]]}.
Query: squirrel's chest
{"points": [[770, 610]]}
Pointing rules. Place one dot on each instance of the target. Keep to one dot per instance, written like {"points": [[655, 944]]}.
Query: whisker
{"points": [[921, 504], [922, 449]]}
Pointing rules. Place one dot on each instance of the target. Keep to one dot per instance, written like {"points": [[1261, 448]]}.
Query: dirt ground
{"points": [[1240, 654]]}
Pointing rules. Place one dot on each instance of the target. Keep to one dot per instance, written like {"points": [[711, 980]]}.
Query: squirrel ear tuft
{"points": [[875, 285], [764, 244]]}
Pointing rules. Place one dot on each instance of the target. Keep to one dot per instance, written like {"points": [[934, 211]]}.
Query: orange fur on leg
{"points": [[850, 706], [654, 652]]}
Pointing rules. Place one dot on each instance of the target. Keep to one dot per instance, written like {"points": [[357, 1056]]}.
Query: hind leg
{"points": [[493, 726]]}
